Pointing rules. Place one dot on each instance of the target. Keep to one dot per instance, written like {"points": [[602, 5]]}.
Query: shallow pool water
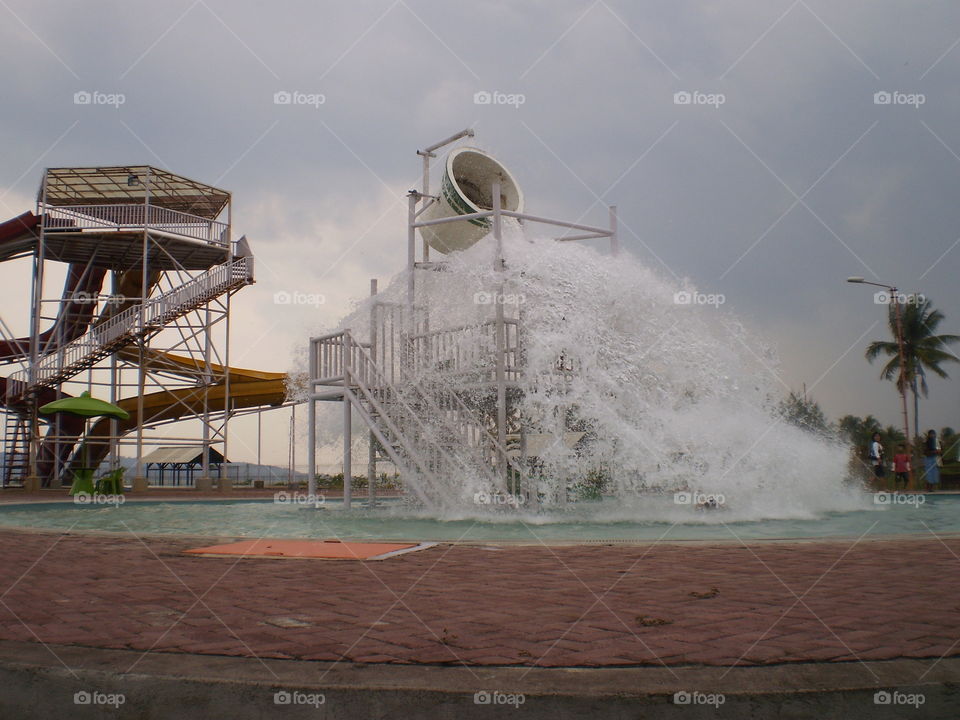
{"points": [[393, 521]]}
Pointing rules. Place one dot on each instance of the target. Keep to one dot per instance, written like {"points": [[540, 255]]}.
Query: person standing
{"points": [[931, 461], [876, 457], [901, 467]]}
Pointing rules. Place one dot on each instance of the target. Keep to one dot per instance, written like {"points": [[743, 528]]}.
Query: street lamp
{"points": [[901, 382]]}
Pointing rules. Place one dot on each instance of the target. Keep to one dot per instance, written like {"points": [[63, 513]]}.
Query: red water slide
{"points": [[80, 289]]}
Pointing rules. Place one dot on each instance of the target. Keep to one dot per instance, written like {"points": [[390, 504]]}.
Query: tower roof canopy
{"points": [[131, 185]]}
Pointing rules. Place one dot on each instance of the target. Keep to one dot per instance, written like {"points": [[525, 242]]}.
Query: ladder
{"points": [[16, 452]]}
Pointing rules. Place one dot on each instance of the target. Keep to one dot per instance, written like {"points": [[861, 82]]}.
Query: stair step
{"points": [[16, 455], [131, 325]]}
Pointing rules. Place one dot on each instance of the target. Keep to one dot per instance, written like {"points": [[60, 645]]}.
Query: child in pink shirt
{"points": [[901, 466]]}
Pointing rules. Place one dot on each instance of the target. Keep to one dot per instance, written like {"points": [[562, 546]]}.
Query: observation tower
{"points": [[142, 320]]}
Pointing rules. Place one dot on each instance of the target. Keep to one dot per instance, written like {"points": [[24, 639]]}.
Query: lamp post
{"points": [[901, 382]]}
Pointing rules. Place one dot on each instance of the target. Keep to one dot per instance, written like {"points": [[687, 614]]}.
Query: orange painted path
{"points": [[325, 549]]}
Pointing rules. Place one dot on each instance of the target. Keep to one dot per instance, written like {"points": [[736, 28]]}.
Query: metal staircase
{"points": [[130, 326], [426, 431], [16, 453]]}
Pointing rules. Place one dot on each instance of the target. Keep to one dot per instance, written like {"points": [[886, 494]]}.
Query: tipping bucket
{"points": [[467, 182]]}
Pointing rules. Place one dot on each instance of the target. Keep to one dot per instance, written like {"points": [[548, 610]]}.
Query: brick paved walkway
{"points": [[564, 606]]}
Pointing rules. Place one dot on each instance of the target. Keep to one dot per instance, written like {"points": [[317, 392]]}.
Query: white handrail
{"points": [[133, 323], [358, 373], [135, 217], [411, 384]]}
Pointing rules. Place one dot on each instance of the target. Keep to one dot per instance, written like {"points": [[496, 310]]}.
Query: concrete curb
{"points": [[40, 681]]}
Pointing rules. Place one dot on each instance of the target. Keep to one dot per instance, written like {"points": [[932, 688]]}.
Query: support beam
{"points": [[614, 238], [371, 447], [347, 425], [501, 341], [311, 424]]}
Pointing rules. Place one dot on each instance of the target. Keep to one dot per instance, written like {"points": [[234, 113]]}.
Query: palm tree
{"points": [[858, 431], [923, 349], [806, 414], [951, 444]]}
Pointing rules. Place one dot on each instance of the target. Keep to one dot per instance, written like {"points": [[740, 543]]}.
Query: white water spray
{"points": [[676, 398]]}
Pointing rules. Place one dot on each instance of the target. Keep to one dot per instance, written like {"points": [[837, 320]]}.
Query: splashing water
{"points": [[676, 398]]}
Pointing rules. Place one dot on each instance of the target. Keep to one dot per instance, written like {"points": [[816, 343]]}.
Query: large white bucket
{"points": [[465, 188]]}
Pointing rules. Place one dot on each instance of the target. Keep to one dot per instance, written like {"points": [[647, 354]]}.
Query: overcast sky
{"points": [[785, 173]]}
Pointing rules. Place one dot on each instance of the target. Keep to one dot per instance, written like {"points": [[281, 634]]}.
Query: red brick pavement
{"points": [[563, 606]]}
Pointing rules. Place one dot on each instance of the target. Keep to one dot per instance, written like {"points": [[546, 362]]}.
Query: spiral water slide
{"points": [[247, 388]]}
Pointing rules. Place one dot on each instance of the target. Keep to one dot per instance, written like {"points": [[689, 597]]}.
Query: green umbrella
{"points": [[88, 407], [85, 406]]}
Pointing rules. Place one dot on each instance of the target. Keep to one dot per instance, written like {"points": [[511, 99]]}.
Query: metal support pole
{"points": [[347, 423], [312, 422], [411, 256], [205, 483], [530, 487], [114, 425], [453, 138], [139, 480], [426, 192], [614, 238], [501, 340], [223, 482], [371, 447], [33, 480], [293, 444], [410, 324]]}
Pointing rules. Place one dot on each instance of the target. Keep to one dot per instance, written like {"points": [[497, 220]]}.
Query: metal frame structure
{"points": [[380, 378], [165, 244]]}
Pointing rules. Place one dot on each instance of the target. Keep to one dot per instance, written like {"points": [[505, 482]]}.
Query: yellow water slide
{"points": [[247, 388]]}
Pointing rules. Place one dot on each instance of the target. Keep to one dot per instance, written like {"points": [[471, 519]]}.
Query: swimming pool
{"points": [[394, 521]]}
